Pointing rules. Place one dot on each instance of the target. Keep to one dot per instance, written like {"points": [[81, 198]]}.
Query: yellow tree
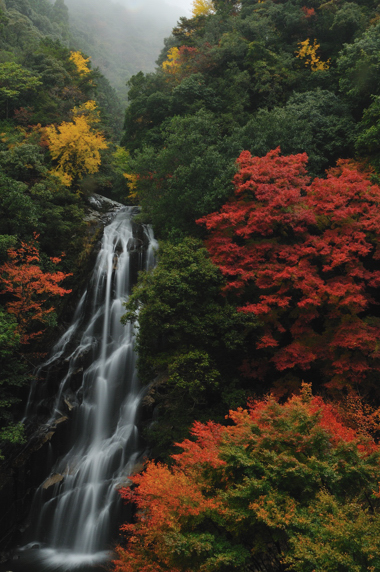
{"points": [[202, 7], [308, 52], [75, 146], [81, 63], [171, 64]]}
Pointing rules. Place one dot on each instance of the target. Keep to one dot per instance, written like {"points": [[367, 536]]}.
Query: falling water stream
{"points": [[74, 510]]}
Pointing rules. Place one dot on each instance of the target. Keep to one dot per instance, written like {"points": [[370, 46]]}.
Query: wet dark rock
{"points": [[20, 476], [100, 210]]}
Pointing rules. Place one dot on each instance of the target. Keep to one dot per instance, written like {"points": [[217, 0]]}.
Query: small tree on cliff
{"points": [[304, 258], [26, 293], [28, 290]]}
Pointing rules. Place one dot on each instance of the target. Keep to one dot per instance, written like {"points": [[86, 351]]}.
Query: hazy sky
{"points": [[181, 6]]}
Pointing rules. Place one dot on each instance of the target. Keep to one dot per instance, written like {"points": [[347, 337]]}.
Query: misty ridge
{"points": [[124, 37]]}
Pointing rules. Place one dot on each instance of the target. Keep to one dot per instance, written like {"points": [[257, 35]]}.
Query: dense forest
{"points": [[253, 150], [59, 124], [257, 135]]}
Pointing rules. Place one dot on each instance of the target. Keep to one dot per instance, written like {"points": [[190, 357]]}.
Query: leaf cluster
{"points": [[304, 259]]}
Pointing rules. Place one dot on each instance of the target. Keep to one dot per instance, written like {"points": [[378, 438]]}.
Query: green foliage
{"points": [[18, 212], [189, 336], [8, 337], [6, 241], [24, 162], [317, 122], [143, 113], [12, 377], [189, 176], [60, 15], [368, 143], [358, 67], [335, 536], [15, 82]]}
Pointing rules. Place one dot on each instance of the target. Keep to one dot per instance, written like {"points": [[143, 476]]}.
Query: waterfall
{"points": [[75, 508]]}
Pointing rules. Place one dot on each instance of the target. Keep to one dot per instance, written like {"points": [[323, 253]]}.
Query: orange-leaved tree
{"points": [[305, 259], [284, 487], [28, 290]]}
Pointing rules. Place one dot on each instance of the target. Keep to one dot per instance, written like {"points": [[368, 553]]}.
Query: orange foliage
{"points": [[29, 289], [245, 483], [309, 12]]}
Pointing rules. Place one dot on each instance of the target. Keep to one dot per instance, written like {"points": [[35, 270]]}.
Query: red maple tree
{"points": [[29, 290], [304, 257]]}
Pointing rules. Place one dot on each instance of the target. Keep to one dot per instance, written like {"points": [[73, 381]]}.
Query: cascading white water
{"points": [[75, 513]]}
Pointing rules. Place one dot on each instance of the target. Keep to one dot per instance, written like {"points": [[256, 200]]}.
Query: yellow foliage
{"points": [[64, 178], [309, 53], [80, 62], [171, 65], [89, 109], [76, 148], [132, 184], [202, 7]]}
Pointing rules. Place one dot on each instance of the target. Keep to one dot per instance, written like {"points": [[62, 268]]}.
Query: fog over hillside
{"points": [[163, 5], [123, 37]]}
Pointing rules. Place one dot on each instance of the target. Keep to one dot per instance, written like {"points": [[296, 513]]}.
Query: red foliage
{"points": [[309, 12], [193, 60], [29, 289], [23, 115], [304, 258], [186, 52]]}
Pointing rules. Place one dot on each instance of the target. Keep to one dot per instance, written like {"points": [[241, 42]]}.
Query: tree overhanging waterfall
{"points": [[74, 510]]}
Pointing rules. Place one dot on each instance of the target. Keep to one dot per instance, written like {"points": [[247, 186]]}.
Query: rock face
{"points": [[100, 211], [29, 465], [20, 475]]}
